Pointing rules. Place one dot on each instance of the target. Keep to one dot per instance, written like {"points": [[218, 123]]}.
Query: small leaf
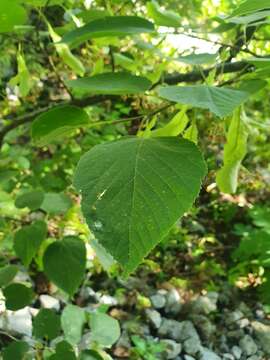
{"points": [[191, 132], [220, 101], [15, 350], [175, 127], [46, 324], [64, 263], [11, 15], [135, 189], [234, 152], [111, 84], [7, 274], [64, 351], [250, 6], [72, 321], [108, 26], [31, 199], [64, 52], [17, 296], [28, 240], [198, 59], [105, 330], [58, 122], [56, 203], [162, 17]]}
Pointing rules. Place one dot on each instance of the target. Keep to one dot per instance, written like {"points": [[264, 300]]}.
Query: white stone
{"points": [[17, 322], [49, 302]]}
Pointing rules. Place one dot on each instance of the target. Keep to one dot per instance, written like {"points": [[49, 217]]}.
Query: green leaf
{"points": [[64, 263], [175, 127], [15, 350], [198, 59], [17, 296], [105, 330], [250, 6], [135, 189], [24, 77], [252, 18], [56, 203], [58, 122], [76, 316], [64, 52], [11, 14], [90, 355], [28, 240], [259, 62], [220, 101], [162, 17], [46, 324], [7, 274], [64, 351], [103, 256], [31, 199], [234, 152], [108, 26], [120, 83], [191, 132]]}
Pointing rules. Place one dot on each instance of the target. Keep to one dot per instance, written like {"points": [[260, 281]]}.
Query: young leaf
{"points": [[46, 324], [7, 274], [11, 15], [191, 132], [234, 152], [250, 6], [28, 240], [64, 351], [120, 83], [220, 101], [76, 316], [175, 127], [162, 17], [105, 330], [31, 199], [56, 203], [108, 26], [15, 350], [58, 122], [64, 52], [135, 189], [17, 296], [64, 263], [24, 77]]}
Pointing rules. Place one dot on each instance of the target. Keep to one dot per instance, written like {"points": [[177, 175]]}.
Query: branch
{"points": [[172, 79]]}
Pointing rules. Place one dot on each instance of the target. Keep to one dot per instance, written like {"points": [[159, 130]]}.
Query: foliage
{"points": [[112, 116]]}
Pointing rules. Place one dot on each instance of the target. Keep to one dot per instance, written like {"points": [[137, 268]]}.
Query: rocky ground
{"points": [[164, 322]]}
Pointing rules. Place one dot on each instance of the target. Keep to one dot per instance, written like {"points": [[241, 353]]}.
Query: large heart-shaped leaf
{"points": [[220, 101], [108, 26], [64, 263], [134, 190], [120, 83], [57, 122]]}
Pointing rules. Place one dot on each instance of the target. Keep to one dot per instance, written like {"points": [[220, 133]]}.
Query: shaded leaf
{"points": [[250, 6], [128, 209], [7, 274], [56, 203], [15, 350], [58, 122], [31, 199], [64, 263], [28, 239], [90, 355], [108, 26], [46, 324], [17, 296], [198, 59], [119, 83], [64, 351], [220, 101]]}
